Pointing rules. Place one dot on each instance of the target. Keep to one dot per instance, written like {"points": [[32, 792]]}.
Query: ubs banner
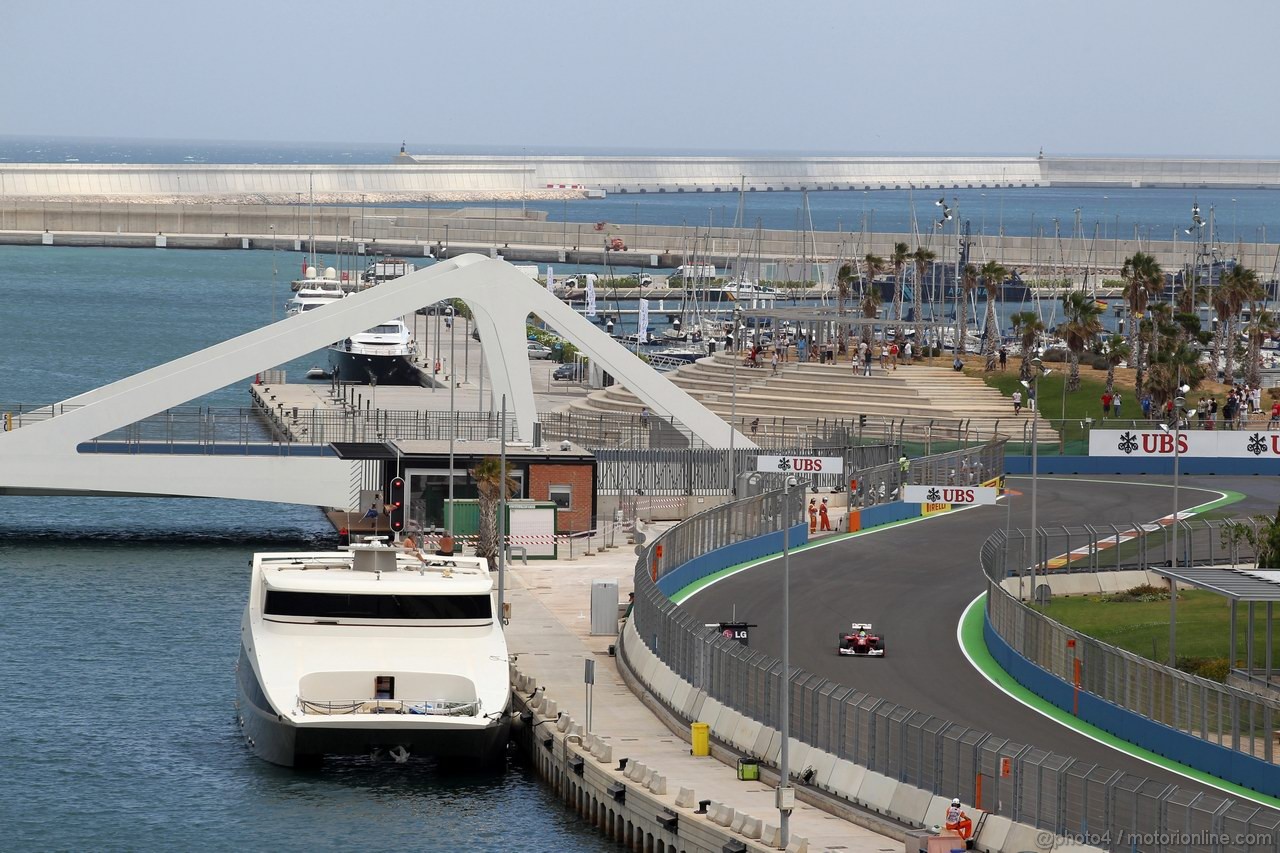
{"points": [[1158, 444]]}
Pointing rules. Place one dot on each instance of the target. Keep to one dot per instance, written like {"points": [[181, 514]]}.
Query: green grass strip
{"points": [[975, 648]]}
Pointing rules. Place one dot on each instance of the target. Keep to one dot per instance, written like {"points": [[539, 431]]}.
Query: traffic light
{"points": [[396, 502]]}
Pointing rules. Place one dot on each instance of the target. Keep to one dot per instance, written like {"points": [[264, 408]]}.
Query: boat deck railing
{"points": [[413, 707]]}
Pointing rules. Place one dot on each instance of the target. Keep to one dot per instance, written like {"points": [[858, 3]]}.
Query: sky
{"points": [[1120, 77]]}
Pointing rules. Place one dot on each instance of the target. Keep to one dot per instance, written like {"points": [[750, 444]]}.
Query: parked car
{"points": [[537, 350], [571, 372]]}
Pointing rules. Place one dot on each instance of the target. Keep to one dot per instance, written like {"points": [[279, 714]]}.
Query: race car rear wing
{"points": [[861, 626]]}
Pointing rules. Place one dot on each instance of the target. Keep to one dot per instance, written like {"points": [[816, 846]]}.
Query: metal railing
{"points": [[1055, 793], [970, 467], [1217, 713]]}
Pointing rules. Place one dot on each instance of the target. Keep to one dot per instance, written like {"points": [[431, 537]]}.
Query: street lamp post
{"points": [[785, 794], [1037, 367], [1179, 402], [733, 402]]}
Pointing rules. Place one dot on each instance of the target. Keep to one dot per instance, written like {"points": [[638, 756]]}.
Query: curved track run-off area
{"points": [[914, 581]]}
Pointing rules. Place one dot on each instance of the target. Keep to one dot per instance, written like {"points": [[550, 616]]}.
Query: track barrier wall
{"points": [[1217, 728], [892, 759]]}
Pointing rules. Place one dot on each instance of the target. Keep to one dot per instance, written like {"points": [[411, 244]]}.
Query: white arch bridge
{"points": [[44, 457]]}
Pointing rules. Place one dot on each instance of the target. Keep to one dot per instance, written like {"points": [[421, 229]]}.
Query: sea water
{"points": [[120, 617]]}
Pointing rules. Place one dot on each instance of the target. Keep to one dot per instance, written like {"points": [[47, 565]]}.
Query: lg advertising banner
{"points": [[1156, 444]]}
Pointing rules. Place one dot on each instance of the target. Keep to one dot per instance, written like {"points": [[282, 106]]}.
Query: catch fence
{"points": [[1061, 795], [1216, 713]]}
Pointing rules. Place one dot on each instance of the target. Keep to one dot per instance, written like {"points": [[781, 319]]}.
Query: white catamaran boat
{"points": [[350, 653]]}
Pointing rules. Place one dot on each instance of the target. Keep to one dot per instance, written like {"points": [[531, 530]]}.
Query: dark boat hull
{"points": [[369, 369]]}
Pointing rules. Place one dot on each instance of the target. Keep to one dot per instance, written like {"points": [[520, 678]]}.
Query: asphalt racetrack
{"points": [[914, 581]]}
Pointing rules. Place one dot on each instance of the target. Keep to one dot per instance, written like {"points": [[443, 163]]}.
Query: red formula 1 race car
{"points": [[860, 640]]}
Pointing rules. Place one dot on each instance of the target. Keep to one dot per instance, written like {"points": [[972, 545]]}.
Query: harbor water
{"points": [[122, 615]]}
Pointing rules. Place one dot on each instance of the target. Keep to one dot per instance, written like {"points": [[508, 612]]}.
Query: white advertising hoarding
{"points": [[950, 494], [800, 464], [1158, 444]]}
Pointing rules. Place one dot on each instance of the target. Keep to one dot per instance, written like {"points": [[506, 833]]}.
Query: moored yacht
{"points": [[382, 355], [314, 292], [372, 649]]}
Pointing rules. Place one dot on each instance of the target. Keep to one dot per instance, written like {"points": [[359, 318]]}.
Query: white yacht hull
{"points": [[278, 738]]}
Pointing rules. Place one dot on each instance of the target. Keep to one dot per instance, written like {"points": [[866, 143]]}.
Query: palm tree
{"points": [[1144, 279], [844, 278], [922, 257], [1237, 286], [1081, 324], [490, 479], [1030, 327], [1117, 351], [870, 296], [901, 254], [1178, 363], [969, 283], [1262, 324], [993, 275]]}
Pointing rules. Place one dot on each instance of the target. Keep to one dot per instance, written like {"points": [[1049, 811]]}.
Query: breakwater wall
{"points": [[528, 236], [417, 177]]}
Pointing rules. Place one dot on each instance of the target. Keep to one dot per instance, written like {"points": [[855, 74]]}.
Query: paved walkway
{"points": [[550, 633]]}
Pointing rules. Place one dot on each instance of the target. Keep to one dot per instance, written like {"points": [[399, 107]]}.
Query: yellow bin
{"points": [[701, 739]]}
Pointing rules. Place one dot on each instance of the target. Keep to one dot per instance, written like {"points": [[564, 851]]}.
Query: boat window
{"points": [[385, 329], [329, 605], [307, 306]]}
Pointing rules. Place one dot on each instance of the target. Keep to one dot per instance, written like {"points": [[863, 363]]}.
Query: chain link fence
{"points": [[969, 467], [1220, 714], [1074, 800]]}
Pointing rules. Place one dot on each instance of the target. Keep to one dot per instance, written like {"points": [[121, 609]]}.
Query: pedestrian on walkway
{"points": [[773, 362], [866, 363], [822, 514], [1017, 402], [893, 355], [813, 515], [1004, 357], [906, 352]]}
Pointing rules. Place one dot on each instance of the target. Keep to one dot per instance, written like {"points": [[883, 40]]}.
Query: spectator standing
{"points": [[1106, 403], [813, 515], [1017, 402], [866, 363], [1115, 404], [1213, 412], [1004, 357], [906, 352], [1275, 415], [893, 355], [1146, 406], [773, 362]]}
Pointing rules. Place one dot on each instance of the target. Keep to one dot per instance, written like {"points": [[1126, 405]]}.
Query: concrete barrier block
{"points": [[686, 798], [745, 734], [821, 763], [693, 705], [770, 835], [647, 671], [549, 709], [535, 703], [763, 738], [876, 791], [664, 684], [710, 713], [646, 779], [1117, 581], [1020, 837], [564, 722], [774, 748], [846, 778], [751, 827], [658, 784], [909, 804], [995, 831], [936, 813], [604, 754], [726, 724], [798, 844], [724, 815], [1081, 584], [736, 825], [798, 757], [635, 770], [680, 693]]}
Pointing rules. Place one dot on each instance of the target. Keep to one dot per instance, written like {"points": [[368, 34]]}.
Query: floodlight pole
{"points": [[784, 775]]}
